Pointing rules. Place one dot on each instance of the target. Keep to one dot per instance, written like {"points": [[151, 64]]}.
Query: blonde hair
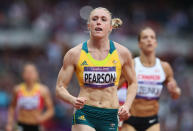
{"points": [[115, 22]]}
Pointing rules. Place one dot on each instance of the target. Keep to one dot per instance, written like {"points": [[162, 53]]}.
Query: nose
{"points": [[149, 39], [98, 22]]}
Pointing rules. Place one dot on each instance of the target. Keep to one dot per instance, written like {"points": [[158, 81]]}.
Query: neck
{"points": [[30, 85], [148, 59], [99, 43]]}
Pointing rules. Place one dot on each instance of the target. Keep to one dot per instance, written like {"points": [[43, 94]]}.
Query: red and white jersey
{"points": [[150, 79], [29, 100], [122, 93]]}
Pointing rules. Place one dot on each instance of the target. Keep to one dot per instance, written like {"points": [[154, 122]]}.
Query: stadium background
{"points": [[41, 31]]}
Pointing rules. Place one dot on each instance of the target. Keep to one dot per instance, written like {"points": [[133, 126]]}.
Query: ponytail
{"points": [[116, 23]]}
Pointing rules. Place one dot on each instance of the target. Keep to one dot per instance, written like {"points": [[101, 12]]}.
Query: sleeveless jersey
{"points": [[98, 73], [29, 100], [150, 79]]}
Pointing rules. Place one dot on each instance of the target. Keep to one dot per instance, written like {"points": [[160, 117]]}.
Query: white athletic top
{"points": [[150, 79]]}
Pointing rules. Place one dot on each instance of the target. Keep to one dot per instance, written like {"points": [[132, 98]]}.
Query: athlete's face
{"points": [[147, 42], [30, 73], [99, 23]]}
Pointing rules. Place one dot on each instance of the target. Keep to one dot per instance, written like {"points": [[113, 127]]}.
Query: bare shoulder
{"points": [[16, 88], [73, 54], [43, 89], [123, 51], [166, 66], [75, 50]]}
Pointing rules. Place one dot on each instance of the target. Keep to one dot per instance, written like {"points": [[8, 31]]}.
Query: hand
{"points": [[171, 87], [79, 102], [174, 90], [9, 127], [39, 118], [123, 113]]}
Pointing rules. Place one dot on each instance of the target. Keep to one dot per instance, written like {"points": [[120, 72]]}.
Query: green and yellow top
{"points": [[98, 73]]}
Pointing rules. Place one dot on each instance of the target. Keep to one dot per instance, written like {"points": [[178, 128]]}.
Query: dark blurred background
{"points": [[41, 31]]}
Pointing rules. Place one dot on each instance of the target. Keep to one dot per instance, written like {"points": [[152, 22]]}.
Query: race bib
{"points": [[99, 77], [28, 102], [149, 90]]}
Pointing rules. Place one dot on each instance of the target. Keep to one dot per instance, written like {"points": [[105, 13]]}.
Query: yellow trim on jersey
{"points": [[26, 92], [98, 62]]}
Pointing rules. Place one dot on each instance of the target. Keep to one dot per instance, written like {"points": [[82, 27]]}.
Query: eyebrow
{"points": [[99, 16]]}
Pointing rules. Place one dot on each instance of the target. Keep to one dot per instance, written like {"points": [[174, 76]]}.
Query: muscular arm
{"points": [[130, 76], [121, 81], [64, 78], [170, 82]]}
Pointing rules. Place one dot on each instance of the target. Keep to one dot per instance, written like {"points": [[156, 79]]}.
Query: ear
{"points": [[111, 28], [88, 26], [156, 44], [139, 45]]}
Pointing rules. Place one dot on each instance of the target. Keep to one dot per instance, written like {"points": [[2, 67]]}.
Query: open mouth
{"points": [[149, 45], [98, 29]]}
